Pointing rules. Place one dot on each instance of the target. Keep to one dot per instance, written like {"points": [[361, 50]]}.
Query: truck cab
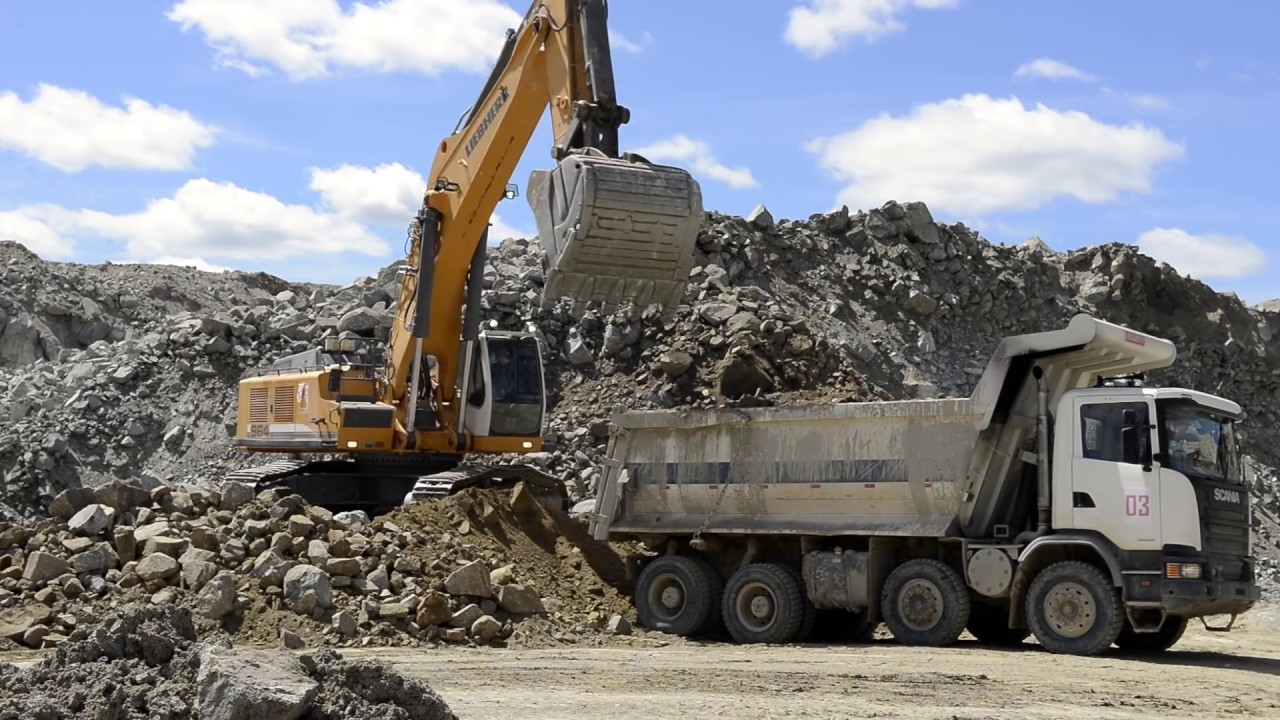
{"points": [[1157, 472]]}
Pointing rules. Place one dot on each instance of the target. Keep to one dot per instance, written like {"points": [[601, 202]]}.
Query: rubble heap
{"points": [[139, 383], [144, 662], [482, 567]]}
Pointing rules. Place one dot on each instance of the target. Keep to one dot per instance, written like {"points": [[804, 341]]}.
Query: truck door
{"points": [[1115, 483]]}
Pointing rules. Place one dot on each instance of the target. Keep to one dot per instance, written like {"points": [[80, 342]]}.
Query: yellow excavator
{"points": [[364, 424]]}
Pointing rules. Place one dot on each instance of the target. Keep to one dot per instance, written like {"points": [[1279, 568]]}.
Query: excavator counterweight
{"points": [[616, 230]]}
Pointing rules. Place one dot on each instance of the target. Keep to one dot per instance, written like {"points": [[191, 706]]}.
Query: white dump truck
{"points": [[1064, 498]]}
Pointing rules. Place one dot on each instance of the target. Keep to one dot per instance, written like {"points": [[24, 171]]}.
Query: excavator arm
{"points": [[613, 229]]}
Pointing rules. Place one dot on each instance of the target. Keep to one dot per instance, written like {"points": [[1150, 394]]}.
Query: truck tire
{"points": [[925, 602], [805, 633], [1073, 608], [1166, 637], [990, 625], [764, 603], [678, 595]]}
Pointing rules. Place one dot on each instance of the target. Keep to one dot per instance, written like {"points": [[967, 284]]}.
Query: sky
{"points": [[292, 136]]}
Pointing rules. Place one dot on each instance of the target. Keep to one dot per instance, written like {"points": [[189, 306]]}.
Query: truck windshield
{"points": [[1200, 443]]}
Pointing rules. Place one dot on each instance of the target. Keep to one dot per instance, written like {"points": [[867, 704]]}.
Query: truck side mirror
{"points": [[1131, 442]]}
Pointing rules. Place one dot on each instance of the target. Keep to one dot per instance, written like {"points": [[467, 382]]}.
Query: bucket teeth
{"points": [[616, 231]]}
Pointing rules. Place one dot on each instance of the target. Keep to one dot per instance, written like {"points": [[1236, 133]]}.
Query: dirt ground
{"points": [[1207, 675]]}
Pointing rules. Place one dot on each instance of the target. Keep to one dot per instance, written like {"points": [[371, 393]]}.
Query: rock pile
{"points": [[145, 662], [128, 372], [472, 569]]}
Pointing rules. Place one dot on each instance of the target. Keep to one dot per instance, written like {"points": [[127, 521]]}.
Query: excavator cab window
{"points": [[515, 371]]}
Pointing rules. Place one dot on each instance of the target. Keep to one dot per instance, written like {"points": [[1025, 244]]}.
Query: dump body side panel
{"points": [[890, 468]]}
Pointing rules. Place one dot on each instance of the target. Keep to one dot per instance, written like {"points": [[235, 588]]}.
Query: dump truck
{"points": [[1065, 498]]}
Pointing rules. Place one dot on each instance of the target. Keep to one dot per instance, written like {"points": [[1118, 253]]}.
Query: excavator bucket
{"points": [[616, 230]]}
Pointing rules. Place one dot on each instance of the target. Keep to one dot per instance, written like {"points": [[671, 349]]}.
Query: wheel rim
{"points": [[920, 604], [1070, 610], [757, 606], [667, 596]]}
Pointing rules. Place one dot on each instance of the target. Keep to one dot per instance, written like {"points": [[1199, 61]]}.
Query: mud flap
{"points": [[615, 230]]}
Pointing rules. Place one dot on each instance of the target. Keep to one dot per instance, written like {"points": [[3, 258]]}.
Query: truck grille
{"points": [[1224, 527]]}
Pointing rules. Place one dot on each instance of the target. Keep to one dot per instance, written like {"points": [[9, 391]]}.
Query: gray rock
{"points": [[486, 627], [466, 616], [520, 599], [92, 520], [345, 623], [235, 495], [761, 218], [307, 587], [42, 567], [716, 314], [240, 684], [675, 363], [197, 573], [218, 596], [471, 580], [157, 566]]}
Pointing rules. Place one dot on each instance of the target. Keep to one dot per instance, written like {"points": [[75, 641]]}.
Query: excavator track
{"points": [[377, 487], [547, 488]]}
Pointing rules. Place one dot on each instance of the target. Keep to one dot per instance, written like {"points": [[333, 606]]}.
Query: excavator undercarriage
{"points": [[378, 485]]}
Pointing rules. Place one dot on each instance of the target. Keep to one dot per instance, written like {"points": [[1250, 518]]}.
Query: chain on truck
{"points": [[1065, 499]]}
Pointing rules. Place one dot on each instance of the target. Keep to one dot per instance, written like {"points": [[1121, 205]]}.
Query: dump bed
{"points": [[888, 468], [915, 467]]}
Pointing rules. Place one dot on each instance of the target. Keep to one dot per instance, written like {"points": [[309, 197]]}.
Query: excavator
{"points": [[359, 423]]}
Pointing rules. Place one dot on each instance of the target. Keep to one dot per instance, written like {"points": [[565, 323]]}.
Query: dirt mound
{"points": [[144, 662]]}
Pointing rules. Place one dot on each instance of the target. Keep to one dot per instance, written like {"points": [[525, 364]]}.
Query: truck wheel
{"points": [[1166, 637], [991, 627], [925, 602], [678, 595], [805, 633], [763, 603], [1073, 608]]}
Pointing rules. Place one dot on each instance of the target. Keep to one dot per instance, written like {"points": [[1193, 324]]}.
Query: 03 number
{"points": [[1139, 505]]}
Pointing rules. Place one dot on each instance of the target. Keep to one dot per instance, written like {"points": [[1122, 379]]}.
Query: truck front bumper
{"points": [[1193, 598], [1190, 597]]}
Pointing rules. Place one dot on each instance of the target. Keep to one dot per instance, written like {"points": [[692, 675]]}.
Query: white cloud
{"points": [[389, 194], [1052, 70], [1203, 256], [697, 155], [197, 263], [26, 228], [978, 154], [618, 41], [72, 130], [499, 230], [821, 26], [312, 38], [203, 221]]}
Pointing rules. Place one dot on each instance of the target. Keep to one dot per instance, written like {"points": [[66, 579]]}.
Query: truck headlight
{"points": [[1189, 571]]}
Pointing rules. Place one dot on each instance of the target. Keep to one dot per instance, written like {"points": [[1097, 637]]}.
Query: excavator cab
{"points": [[616, 230], [503, 385]]}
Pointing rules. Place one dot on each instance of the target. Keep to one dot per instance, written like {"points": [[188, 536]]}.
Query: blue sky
{"points": [[291, 136]]}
